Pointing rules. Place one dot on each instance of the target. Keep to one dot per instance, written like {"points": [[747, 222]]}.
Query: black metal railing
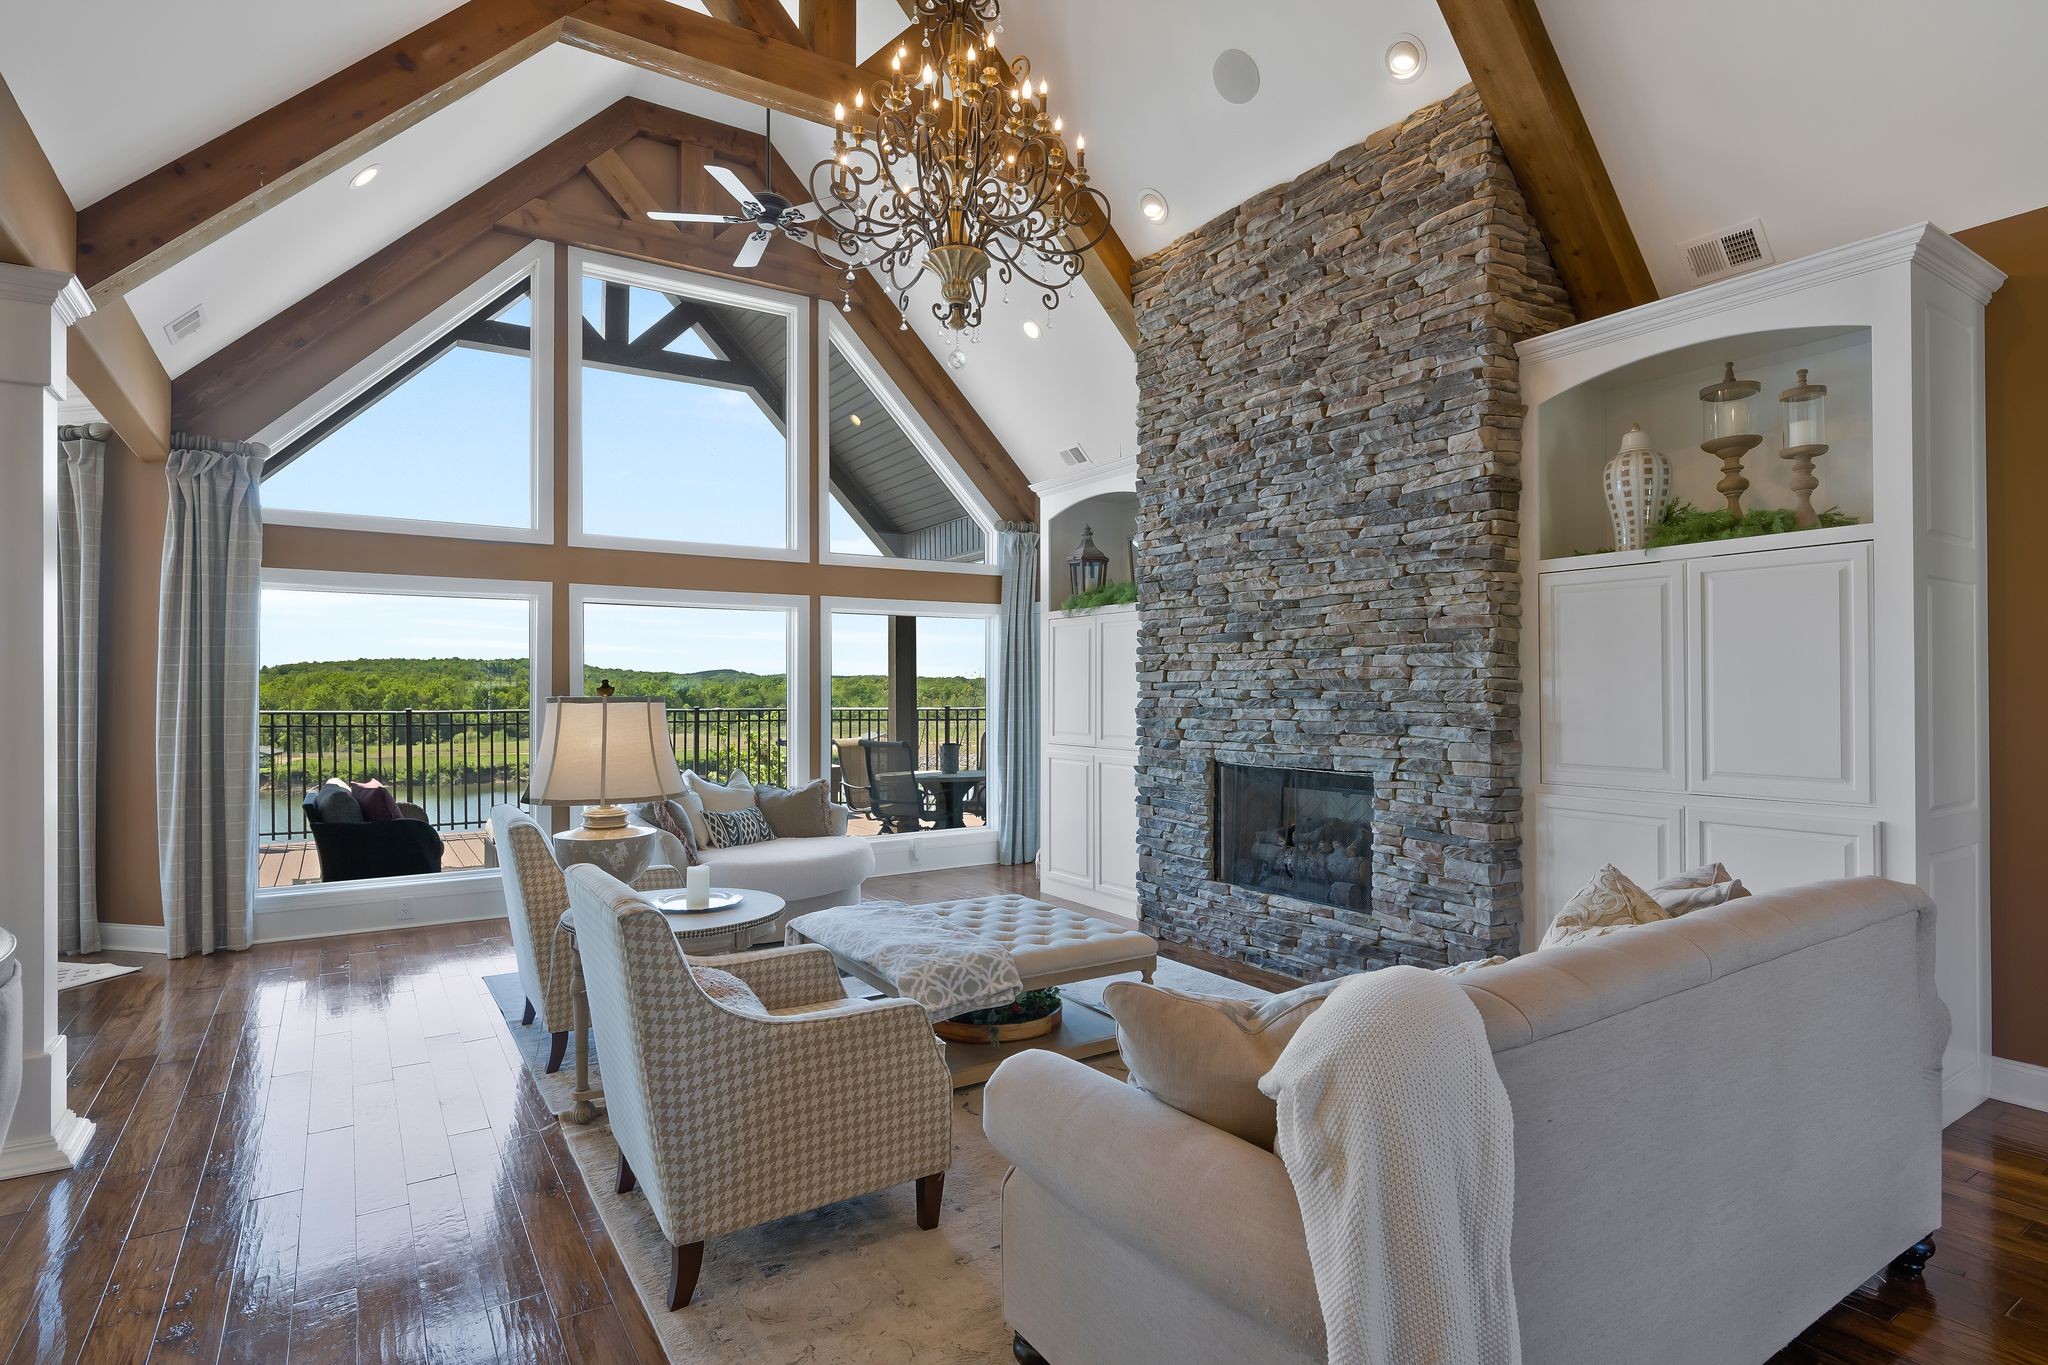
{"points": [[458, 764]]}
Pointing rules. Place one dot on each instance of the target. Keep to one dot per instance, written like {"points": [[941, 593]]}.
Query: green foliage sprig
{"points": [[1025, 1008], [1681, 523], [1108, 595]]}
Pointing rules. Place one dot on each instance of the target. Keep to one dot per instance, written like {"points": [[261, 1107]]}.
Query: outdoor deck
{"points": [[295, 863]]}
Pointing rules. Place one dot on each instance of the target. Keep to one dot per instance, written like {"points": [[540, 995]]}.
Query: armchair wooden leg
{"points": [[1910, 1262], [1025, 1352], [558, 1048], [682, 1275], [528, 1017], [929, 1188], [627, 1180]]}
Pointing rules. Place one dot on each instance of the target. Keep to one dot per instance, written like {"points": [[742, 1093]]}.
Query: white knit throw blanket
{"points": [[1396, 1132]]}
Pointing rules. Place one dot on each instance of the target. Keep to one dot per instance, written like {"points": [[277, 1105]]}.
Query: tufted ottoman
{"points": [[1051, 946]]}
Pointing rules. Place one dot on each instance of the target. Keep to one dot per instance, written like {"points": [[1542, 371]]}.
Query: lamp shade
{"points": [[604, 750]]}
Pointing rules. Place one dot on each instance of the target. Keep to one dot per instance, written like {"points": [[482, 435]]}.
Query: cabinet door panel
{"points": [[1070, 681], [1612, 700], [1780, 675], [1116, 708], [1573, 837], [1771, 850], [1069, 826], [1116, 818]]}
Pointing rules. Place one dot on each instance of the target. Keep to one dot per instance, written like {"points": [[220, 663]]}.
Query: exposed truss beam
{"points": [[1540, 126], [143, 228], [761, 16], [828, 28]]}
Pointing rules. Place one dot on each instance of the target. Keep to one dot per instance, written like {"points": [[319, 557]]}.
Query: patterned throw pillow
{"points": [[670, 816], [736, 828], [727, 989], [1607, 903]]}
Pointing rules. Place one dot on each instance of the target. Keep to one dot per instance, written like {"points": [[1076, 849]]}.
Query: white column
{"points": [[35, 308]]}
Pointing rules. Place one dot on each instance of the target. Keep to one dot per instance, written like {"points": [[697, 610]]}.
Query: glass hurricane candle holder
{"points": [[1804, 407], [1728, 431]]}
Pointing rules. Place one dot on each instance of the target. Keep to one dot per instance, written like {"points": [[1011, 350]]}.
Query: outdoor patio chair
{"points": [[353, 848], [897, 798]]}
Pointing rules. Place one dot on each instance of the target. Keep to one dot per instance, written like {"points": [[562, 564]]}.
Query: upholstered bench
{"points": [[1049, 946]]}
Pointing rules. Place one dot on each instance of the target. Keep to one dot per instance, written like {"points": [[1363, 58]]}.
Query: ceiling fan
{"points": [[768, 211]]}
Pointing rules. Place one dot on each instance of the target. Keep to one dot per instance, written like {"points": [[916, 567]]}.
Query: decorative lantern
{"points": [[1806, 440], [1087, 567], [1638, 483], [1728, 431]]}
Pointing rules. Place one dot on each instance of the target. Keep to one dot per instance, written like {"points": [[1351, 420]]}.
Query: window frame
{"points": [[797, 655], [796, 421], [990, 612], [378, 896], [911, 422], [536, 263]]}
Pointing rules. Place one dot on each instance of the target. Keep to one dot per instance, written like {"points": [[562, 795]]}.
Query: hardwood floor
{"points": [[328, 1151]]}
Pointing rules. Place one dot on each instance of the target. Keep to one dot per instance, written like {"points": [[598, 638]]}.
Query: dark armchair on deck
{"points": [[354, 847], [895, 797]]}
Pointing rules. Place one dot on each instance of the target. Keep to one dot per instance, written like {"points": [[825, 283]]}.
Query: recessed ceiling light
{"points": [[364, 177], [1236, 76], [1406, 57], [1032, 329], [854, 418], [1152, 204]]}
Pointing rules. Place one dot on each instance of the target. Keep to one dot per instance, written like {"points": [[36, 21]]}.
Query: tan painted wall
{"points": [[132, 571], [2016, 356]]}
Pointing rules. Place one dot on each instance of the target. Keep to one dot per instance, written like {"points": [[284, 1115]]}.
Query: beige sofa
{"points": [[809, 874], [1723, 1124]]}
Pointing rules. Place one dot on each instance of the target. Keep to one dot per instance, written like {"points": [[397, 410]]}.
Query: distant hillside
{"points": [[465, 684]]}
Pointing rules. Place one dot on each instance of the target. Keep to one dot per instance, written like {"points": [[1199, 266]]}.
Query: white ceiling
{"points": [[1832, 120], [1829, 119]]}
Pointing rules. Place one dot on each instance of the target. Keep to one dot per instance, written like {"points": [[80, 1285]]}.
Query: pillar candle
{"points": [[1805, 432], [697, 887]]}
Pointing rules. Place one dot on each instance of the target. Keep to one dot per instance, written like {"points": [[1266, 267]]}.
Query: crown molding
{"points": [[52, 289]]}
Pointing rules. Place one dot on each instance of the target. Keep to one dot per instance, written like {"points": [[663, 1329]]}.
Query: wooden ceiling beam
{"points": [[1511, 60], [828, 28], [153, 222], [762, 16]]}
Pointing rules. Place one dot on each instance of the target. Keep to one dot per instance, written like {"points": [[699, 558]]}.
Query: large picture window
{"points": [[441, 431], [423, 687], [686, 417]]}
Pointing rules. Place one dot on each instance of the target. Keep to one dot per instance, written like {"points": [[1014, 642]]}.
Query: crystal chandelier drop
{"points": [[953, 164]]}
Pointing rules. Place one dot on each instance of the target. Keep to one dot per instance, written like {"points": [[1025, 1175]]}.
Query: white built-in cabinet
{"points": [[1797, 707], [1088, 821]]}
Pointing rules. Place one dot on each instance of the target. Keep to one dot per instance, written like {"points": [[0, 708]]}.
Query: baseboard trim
{"points": [[132, 938], [2020, 1083], [58, 1151]]}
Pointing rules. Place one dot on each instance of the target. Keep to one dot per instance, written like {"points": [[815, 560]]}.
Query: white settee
{"points": [[810, 874]]}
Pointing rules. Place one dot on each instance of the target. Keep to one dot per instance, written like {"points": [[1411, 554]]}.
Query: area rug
{"points": [[74, 974], [854, 1283]]}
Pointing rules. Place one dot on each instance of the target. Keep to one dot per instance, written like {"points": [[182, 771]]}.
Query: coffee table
{"points": [[755, 909]]}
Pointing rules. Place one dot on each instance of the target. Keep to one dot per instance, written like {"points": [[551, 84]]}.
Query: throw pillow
{"points": [[671, 817], [1696, 890], [727, 989], [737, 828], [337, 804], [805, 813], [376, 800], [737, 793], [1608, 903], [1203, 1055]]}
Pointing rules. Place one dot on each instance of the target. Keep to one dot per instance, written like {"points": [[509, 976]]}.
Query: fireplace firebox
{"points": [[1299, 832]]}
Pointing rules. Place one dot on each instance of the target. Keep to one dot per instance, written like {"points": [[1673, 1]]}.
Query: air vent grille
{"points": [[185, 324], [1073, 455], [1728, 252]]}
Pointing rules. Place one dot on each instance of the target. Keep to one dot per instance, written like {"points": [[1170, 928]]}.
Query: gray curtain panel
{"points": [[1017, 694], [206, 694], [81, 485]]}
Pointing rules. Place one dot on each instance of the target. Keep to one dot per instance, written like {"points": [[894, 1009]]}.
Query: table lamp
{"points": [[596, 752]]}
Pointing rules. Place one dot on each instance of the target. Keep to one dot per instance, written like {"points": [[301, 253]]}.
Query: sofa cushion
{"points": [[794, 869], [805, 813], [337, 804], [1204, 1055], [1605, 905]]}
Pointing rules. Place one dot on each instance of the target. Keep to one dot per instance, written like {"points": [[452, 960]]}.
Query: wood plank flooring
{"points": [[328, 1151]]}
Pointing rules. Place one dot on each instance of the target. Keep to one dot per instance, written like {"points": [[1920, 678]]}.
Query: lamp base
{"points": [[625, 851]]}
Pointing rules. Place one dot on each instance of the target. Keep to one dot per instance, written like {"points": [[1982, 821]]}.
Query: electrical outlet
{"points": [[405, 909]]}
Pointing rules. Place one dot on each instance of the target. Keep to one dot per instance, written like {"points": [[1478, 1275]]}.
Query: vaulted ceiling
{"points": [[1830, 120]]}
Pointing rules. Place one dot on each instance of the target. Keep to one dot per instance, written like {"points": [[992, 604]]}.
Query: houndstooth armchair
{"points": [[755, 1104], [535, 898]]}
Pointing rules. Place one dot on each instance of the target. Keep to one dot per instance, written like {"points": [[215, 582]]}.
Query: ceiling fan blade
{"points": [[751, 251], [802, 213], [737, 188], [691, 217]]}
